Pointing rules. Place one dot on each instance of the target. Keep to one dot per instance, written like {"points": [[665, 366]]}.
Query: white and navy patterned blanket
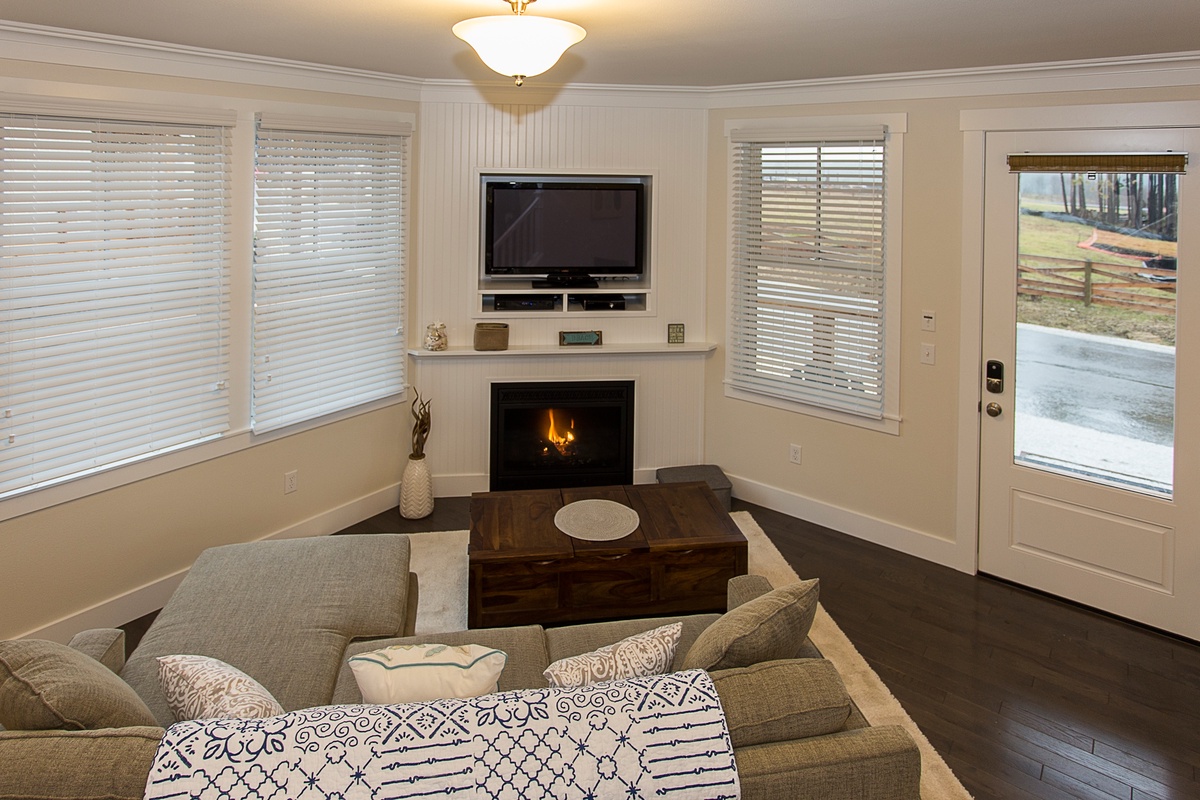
{"points": [[658, 737]]}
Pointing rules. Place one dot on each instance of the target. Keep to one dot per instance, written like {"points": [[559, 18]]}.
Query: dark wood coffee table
{"points": [[524, 570]]}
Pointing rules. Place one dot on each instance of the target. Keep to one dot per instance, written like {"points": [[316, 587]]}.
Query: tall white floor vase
{"points": [[416, 489]]}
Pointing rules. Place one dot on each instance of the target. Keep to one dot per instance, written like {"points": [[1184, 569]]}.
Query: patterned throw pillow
{"points": [[639, 656], [414, 673], [199, 687]]}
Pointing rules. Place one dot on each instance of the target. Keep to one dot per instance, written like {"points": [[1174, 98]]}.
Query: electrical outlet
{"points": [[289, 482], [794, 453]]}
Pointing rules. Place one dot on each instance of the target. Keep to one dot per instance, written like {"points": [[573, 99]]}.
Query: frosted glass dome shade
{"points": [[519, 45]]}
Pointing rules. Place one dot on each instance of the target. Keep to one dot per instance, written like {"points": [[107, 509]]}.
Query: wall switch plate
{"points": [[928, 321], [928, 355]]}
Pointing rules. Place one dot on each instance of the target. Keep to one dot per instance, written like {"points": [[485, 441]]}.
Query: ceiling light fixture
{"points": [[519, 46]]}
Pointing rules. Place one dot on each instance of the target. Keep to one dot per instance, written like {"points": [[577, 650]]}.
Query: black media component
{"points": [[524, 302], [602, 302]]}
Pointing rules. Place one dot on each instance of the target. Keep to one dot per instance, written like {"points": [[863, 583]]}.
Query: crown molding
{"points": [[43, 44], [1134, 72]]}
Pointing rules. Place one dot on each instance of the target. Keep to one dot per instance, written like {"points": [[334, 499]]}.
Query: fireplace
{"points": [[550, 435]]}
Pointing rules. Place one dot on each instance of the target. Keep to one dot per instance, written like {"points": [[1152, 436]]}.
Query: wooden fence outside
{"points": [[1094, 283]]}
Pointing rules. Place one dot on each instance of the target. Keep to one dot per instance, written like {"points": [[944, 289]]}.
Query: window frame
{"points": [[829, 129], [241, 114]]}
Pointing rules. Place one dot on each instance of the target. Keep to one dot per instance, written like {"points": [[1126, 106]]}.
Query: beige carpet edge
{"points": [[870, 694]]}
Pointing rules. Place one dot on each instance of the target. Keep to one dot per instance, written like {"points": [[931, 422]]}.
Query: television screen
{"points": [[585, 228]]}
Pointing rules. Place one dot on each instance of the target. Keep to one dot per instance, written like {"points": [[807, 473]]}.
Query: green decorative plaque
{"points": [[580, 337]]}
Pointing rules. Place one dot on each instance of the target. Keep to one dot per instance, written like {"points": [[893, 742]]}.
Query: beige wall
{"points": [[117, 552], [899, 490]]}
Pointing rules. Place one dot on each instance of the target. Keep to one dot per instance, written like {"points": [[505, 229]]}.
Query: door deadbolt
{"points": [[993, 409], [994, 377]]}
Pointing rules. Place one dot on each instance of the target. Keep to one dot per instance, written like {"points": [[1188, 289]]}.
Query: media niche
{"points": [[564, 230]]}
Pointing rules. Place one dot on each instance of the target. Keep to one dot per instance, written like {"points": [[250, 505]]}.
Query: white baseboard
{"points": [[897, 537], [152, 596]]}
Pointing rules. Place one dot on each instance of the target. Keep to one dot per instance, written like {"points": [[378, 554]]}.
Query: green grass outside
{"points": [[1060, 239]]}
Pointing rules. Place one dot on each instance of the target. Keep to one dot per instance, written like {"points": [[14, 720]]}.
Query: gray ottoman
{"points": [[713, 475]]}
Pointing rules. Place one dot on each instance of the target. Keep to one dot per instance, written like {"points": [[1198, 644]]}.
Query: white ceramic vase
{"points": [[416, 489]]}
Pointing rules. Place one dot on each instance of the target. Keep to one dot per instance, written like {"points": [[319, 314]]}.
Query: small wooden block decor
{"points": [[580, 337], [674, 333]]}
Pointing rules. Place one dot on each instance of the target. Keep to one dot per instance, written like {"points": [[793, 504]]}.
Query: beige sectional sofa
{"points": [[290, 614]]}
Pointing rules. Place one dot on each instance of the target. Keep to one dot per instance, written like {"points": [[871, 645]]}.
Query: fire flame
{"points": [[562, 438]]}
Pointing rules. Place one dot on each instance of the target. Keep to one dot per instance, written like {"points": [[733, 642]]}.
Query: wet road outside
{"points": [[1097, 402]]}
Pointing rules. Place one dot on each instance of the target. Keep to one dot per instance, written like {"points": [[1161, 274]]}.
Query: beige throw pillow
{"points": [[414, 673], [199, 687], [48, 686], [770, 627], [638, 656]]}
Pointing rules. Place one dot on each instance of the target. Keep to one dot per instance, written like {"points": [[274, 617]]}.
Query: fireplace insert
{"points": [[550, 435]]}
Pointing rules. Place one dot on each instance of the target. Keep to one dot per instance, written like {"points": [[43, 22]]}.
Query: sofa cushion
{"points": [[415, 673], [525, 646], [639, 656], [199, 687], [767, 628], [282, 611], [779, 700], [107, 764], [48, 686]]}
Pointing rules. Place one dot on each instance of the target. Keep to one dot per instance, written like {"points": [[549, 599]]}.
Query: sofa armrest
{"points": [[110, 763], [106, 645], [776, 701], [879, 763], [410, 607], [744, 588]]}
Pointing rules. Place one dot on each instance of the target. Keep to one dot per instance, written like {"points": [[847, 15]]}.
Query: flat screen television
{"points": [[564, 231]]}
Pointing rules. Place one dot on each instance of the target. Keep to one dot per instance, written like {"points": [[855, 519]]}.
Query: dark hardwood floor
{"points": [[1025, 696]]}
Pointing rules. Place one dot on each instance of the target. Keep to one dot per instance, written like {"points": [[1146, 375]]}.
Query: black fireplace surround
{"points": [[551, 435]]}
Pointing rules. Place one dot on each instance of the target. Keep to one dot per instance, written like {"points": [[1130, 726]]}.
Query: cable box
{"points": [[602, 302], [525, 302]]}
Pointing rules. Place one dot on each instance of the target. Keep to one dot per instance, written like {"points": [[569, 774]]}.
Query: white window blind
{"points": [[330, 224], [806, 317], [114, 270]]}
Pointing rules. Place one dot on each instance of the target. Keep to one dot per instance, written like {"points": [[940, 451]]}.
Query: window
{"points": [[814, 265], [329, 246], [114, 272]]}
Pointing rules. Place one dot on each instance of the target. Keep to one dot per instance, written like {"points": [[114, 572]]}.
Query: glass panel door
{"points": [[1095, 353]]}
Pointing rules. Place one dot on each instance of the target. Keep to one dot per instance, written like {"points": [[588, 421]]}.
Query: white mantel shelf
{"points": [[518, 351]]}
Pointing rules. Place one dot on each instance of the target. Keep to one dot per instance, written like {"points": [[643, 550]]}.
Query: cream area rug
{"points": [[440, 562]]}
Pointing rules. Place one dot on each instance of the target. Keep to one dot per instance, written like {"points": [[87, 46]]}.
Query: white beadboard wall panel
{"points": [[458, 141], [668, 403]]}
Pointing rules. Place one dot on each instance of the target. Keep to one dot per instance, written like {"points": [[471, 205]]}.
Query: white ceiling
{"points": [[654, 42]]}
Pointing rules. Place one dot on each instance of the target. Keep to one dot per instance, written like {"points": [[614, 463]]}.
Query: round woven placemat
{"points": [[596, 520]]}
